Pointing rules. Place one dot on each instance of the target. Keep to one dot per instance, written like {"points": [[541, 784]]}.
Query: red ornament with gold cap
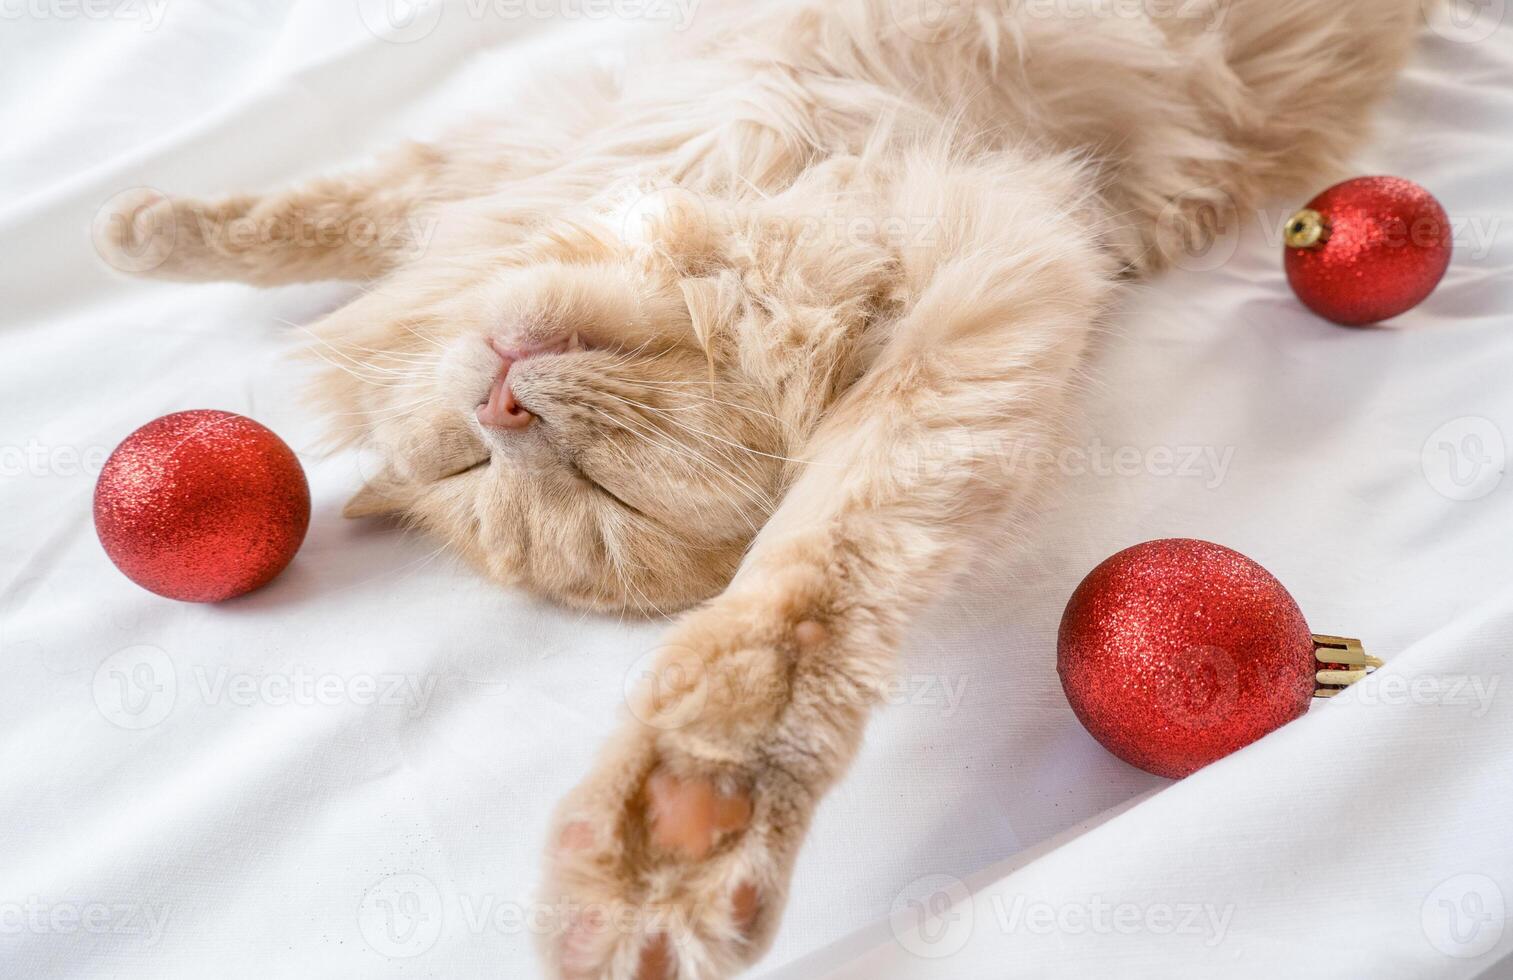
{"points": [[1367, 250], [1175, 653]]}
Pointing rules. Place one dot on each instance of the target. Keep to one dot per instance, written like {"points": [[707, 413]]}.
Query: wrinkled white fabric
{"points": [[349, 773]]}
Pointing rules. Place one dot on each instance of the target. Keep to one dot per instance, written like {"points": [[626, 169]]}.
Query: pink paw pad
{"points": [[810, 634], [745, 905], [688, 816], [656, 960], [577, 836]]}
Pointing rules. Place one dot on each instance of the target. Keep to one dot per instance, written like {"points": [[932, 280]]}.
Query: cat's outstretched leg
{"points": [[354, 226], [672, 859]]}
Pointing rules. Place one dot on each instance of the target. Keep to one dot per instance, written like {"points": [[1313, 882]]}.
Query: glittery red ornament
{"points": [[201, 506], [1175, 653], [1368, 249]]}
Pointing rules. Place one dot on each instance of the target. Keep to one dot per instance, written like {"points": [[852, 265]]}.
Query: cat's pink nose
{"points": [[502, 410]]}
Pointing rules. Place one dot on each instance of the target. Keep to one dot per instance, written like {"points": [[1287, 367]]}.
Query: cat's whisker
{"points": [[422, 335], [631, 403], [346, 369], [415, 357], [754, 495], [736, 445], [368, 413], [631, 465], [354, 366], [701, 383], [720, 450], [397, 412], [620, 563], [750, 410], [401, 356], [384, 416]]}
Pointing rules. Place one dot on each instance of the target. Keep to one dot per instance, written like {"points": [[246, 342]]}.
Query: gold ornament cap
{"points": [[1306, 229], [1334, 653]]}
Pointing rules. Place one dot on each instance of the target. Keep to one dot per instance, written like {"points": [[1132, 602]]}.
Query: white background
{"points": [[248, 811]]}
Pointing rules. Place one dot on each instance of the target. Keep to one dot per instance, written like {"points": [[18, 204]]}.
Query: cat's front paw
{"points": [[672, 860], [663, 868]]}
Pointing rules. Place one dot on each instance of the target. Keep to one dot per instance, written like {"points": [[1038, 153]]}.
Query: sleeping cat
{"points": [[745, 332]]}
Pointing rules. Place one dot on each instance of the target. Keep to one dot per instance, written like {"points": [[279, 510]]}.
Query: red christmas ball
{"points": [[1367, 249], [1175, 653], [202, 506]]}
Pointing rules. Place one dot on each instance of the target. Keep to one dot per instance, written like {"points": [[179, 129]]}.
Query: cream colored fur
{"points": [[826, 260]]}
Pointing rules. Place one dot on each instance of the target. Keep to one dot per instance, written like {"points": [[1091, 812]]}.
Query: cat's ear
{"points": [[714, 305]]}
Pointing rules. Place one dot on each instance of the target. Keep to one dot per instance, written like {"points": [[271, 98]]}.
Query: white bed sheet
{"points": [[348, 774]]}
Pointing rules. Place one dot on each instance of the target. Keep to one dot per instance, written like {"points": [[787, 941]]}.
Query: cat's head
{"points": [[606, 411]]}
